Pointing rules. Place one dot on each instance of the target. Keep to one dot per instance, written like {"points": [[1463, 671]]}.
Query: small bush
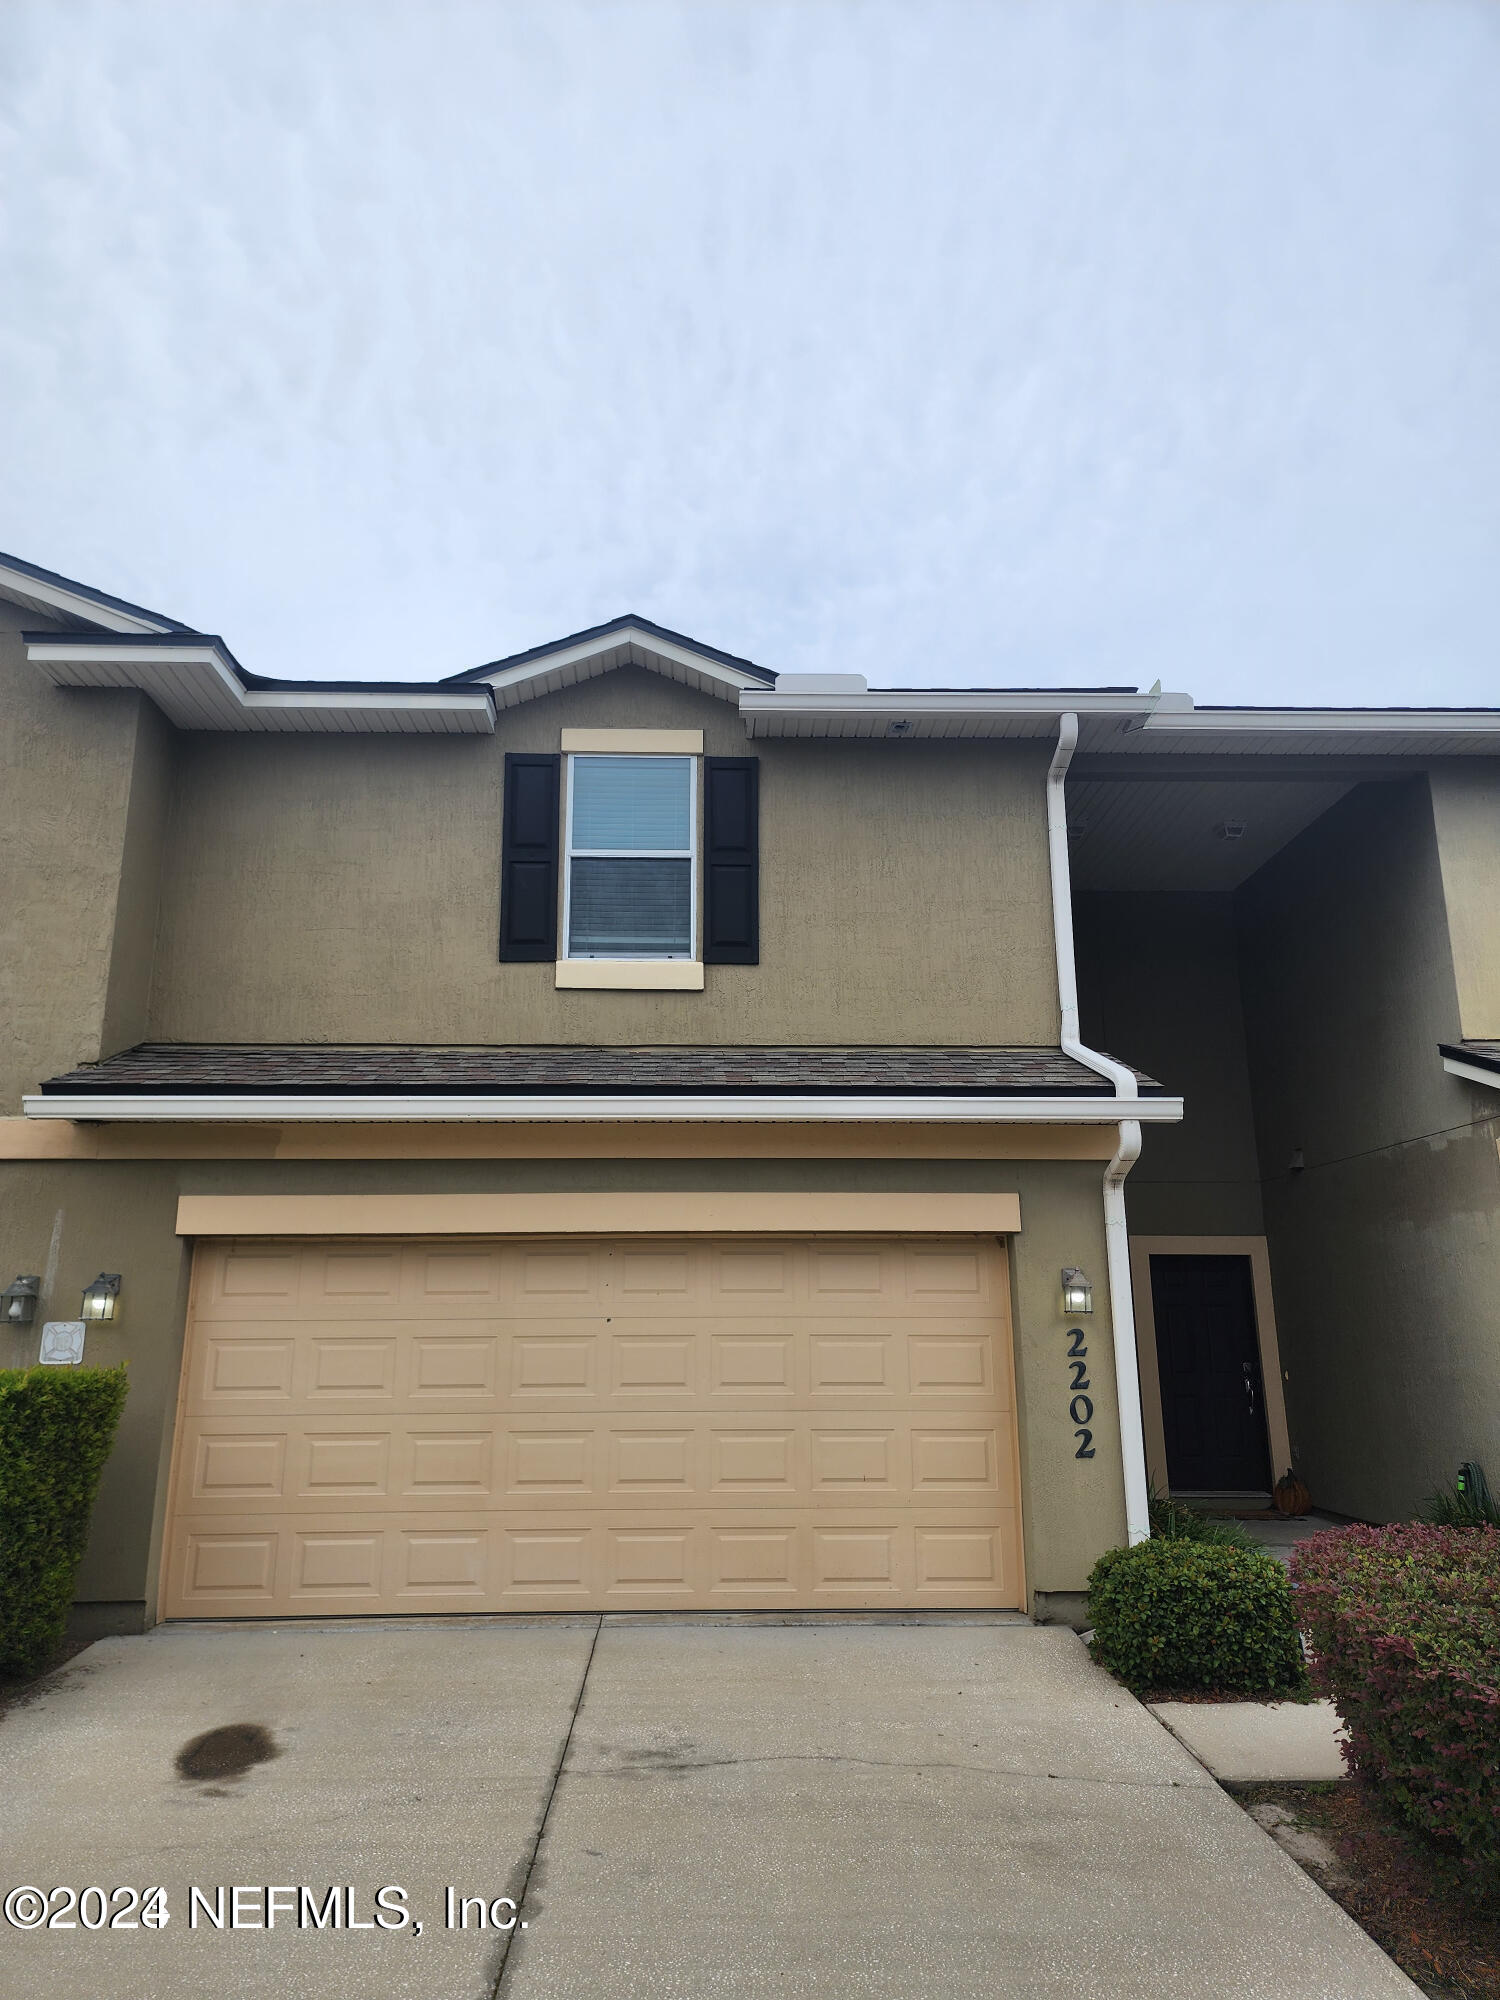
{"points": [[1451, 1507], [1175, 1521], [1194, 1615], [56, 1428], [1404, 1624]]}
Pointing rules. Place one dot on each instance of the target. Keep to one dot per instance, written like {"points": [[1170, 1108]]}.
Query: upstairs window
{"points": [[629, 887]]}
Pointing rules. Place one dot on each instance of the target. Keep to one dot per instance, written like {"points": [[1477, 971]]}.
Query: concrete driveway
{"points": [[679, 1809]]}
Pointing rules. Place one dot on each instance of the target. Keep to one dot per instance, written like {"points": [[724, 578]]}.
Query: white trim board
{"points": [[621, 1108]]}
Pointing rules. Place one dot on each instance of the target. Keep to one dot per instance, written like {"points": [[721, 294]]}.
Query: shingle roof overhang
{"points": [[1474, 1062], [198, 684], [300, 1081], [46, 590]]}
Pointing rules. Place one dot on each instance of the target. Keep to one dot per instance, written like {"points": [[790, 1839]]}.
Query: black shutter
{"points": [[731, 902], [528, 858]]}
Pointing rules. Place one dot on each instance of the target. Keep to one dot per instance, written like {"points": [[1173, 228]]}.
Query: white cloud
{"points": [[951, 342]]}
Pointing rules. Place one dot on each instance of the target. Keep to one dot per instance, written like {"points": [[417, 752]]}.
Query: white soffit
{"points": [[196, 687], [1472, 1072], [625, 646], [1121, 723], [947, 713]]}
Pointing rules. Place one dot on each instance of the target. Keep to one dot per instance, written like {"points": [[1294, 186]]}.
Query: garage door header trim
{"points": [[658, 1214]]}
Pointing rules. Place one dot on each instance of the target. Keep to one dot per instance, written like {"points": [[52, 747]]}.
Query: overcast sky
{"points": [[981, 343]]}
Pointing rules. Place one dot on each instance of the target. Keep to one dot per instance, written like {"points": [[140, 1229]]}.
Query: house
{"points": [[621, 1128]]}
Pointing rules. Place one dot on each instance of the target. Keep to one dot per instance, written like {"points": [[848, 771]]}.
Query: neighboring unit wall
{"points": [[1158, 977], [84, 787], [1385, 1242], [1466, 813], [342, 888]]}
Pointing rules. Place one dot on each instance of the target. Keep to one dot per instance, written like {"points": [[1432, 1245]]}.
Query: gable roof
{"points": [[626, 641], [37, 589]]}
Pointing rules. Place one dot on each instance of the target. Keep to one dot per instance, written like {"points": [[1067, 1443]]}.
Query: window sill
{"points": [[642, 975]]}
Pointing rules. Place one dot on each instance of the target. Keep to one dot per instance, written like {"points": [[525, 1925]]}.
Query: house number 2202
{"points": [[1081, 1409]]}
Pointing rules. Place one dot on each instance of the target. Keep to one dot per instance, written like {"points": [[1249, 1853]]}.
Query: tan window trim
{"points": [[639, 975], [633, 742]]}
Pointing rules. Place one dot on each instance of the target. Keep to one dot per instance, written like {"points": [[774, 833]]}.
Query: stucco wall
{"points": [[1159, 986], [83, 785], [122, 1217], [328, 888], [1466, 814], [1385, 1244]]}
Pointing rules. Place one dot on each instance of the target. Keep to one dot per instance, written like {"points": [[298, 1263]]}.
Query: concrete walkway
{"points": [[1260, 1742], [680, 1809]]}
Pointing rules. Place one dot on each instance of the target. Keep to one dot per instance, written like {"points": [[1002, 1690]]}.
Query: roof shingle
{"points": [[327, 1069]]}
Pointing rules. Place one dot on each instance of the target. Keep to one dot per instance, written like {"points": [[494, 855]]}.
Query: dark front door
{"points": [[1212, 1398]]}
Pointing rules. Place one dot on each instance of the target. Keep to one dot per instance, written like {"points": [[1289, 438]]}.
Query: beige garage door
{"points": [[583, 1424]]}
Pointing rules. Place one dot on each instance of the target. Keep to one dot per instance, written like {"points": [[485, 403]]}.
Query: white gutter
{"points": [[1127, 1109], [621, 1108]]}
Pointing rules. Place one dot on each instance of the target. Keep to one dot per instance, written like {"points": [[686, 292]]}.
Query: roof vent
{"points": [[1230, 829]]}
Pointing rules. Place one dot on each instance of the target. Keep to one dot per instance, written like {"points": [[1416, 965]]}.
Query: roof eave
{"points": [[593, 1107]]}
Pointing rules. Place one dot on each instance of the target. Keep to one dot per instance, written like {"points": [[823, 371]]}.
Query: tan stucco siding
{"points": [[1466, 813], [341, 888], [122, 1216], [83, 780]]}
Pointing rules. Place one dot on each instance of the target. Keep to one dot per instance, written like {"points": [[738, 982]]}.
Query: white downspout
{"points": [[1127, 1152]]}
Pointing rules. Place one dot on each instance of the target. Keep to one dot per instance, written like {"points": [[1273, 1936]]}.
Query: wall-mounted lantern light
{"points": [[1077, 1293], [102, 1299], [18, 1301]]}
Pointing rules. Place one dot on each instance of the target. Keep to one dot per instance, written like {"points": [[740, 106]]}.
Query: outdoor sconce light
{"points": [[19, 1296], [102, 1299], [1077, 1293]]}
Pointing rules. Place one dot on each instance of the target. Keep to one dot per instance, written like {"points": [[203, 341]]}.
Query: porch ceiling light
{"points": [[18, 1301], [102, 1299], [1077, 1292]]}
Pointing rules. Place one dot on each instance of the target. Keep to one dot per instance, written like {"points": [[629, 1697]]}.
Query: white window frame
{"points": [[570, 853]]}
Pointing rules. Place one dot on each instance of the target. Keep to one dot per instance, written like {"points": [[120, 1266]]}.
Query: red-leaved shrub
{"points": [[1404, 1626]]}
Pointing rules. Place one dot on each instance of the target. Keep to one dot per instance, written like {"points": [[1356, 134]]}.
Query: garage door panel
{"points": [[533, 1425], [233, 1370], [563, 1365]]}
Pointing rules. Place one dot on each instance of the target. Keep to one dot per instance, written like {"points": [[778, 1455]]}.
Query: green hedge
{"points": [[1404, 1623], [1192, 1615], [56, 1428]]}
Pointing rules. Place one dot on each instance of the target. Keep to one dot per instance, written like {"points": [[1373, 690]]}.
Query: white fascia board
{"points": [[1311, 721], [614, 1110], [511, 678], [1472, 1072], [947, 703], [74, 604]]}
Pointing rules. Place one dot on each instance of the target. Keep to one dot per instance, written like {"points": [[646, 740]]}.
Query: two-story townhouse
{"points": [[620, 1128]]}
